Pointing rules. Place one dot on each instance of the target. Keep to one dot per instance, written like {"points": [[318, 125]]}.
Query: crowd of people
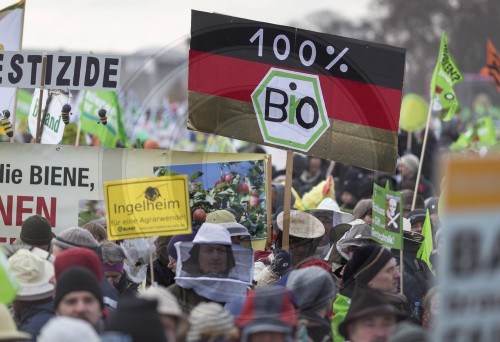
{"points": [[333, 283]]}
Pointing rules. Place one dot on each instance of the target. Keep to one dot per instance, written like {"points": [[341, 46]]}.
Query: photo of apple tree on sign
{"points": [[238, 187]]}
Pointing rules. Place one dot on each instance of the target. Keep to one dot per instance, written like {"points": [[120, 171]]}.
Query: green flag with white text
{"points": [[111, 132], [445, 76]]}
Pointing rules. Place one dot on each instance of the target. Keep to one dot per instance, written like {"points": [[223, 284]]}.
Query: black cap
{"points": [[416, 216]]}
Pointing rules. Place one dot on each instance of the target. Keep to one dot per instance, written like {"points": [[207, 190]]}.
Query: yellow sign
{"points": [[472, 183], [146, 207]]}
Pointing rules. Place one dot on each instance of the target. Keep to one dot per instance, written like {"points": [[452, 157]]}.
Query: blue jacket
{"points": [[32, 319]]}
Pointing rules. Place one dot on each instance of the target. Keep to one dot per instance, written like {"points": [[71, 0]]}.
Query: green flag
{"points": [[425, 250], [445, 76], [113, 131], [486, 131], [8, 283]]}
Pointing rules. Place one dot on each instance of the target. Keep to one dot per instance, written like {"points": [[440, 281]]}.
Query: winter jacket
{"points": [[318, 328], [32, 319], [163, 275], [126, 287]]}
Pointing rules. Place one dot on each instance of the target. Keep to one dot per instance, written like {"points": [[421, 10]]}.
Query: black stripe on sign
{"points": [[366, 62]]}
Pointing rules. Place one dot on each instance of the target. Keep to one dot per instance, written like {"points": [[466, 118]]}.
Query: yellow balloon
{"points": [[413, 115]]}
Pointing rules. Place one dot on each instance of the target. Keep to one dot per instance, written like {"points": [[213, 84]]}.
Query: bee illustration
{"points": [[7, 126], [102, 115], [65, 112], [152, 193]]}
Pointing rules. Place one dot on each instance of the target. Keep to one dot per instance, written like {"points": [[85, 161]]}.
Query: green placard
{"points": [[387, 222], [8, 283]]}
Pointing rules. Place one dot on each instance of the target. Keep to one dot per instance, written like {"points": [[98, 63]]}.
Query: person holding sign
{"points": [[211, 268]]}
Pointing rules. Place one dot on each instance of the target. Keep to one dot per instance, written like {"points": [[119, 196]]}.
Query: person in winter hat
{"points": [[314, 291], [137, 318], [268, 314], [79, 295], [209, 322], [370, 266], [33, 305], [76, 237], [211, 268], [113, 261], [371, 317], [174, 322], [36, 231], [63, 329]]}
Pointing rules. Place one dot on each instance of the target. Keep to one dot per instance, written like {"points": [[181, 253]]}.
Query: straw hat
{"points": [[302, 225], [33, 274], [8, 330]]}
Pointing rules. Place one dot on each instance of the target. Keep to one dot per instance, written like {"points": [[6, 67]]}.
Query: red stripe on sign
{"points": [[345, 100]]}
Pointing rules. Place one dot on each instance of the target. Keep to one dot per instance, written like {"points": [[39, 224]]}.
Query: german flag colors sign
{"points": [[327, 96]]}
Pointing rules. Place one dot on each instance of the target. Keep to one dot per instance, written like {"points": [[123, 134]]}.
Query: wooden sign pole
{"points": [[39, 121], [269, 199], [287, 201]]}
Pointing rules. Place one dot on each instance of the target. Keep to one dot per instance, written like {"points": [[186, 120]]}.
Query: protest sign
{"points": [[387, 221], [145, 207], [469, 267], [53, 126], [65, 183], [8, 282], [62, 71], [323, 95]]}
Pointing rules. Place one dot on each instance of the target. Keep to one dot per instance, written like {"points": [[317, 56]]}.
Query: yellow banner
{"points": [[472, 183], [146, 207]]}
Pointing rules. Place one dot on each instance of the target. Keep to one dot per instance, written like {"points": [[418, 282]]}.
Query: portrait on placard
{"points": [[392, 213]]}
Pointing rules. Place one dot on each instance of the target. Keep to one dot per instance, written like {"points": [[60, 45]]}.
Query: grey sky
{"points": [[127, 26]]}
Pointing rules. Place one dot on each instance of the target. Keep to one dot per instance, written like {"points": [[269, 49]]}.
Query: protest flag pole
{"points": [[39, 121], [78, 132], [287, 200], [421, 161], [14, 114], [151, 272], [269, 198], [409, 138]]}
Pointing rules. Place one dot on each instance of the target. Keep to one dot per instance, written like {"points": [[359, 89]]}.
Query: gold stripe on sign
{"points": [[363, 146]]}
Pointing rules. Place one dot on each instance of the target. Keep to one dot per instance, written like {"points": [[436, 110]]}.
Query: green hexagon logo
{"points": [[290, 109]]}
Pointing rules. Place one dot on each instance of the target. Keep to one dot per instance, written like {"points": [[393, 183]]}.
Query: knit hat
{"points": [[267, 309], [138, 318], [411, 162], [367, 302], [33, 274], [178, 238], [416, 216], [8, 329], [77, 279], [75, 237], [226, 219], [313, 287], [302, 225], [209, 320], [36, 231], [366, 262], [362, 208], [81, 257], [62, 329]]}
